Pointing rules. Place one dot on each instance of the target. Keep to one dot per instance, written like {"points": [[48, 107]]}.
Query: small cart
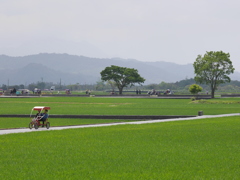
{"points": [[37, 118]]}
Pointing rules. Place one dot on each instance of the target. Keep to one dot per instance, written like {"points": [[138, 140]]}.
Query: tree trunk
{"points": [[120, 90], [212, 90], [212, 93]]}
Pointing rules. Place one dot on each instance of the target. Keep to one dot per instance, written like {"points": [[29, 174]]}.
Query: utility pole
{"points": [[60, 84]]}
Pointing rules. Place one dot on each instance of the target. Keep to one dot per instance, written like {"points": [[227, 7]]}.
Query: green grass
{"points": [[199, 149], [118, 106]]}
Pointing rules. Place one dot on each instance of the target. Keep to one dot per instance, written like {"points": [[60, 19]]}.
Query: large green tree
{"points": [[122, 76], [213, 69]]}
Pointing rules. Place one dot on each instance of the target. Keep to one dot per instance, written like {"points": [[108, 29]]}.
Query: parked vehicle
{"points": [[23, 91]]}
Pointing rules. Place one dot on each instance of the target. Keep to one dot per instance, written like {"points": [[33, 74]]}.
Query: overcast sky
{"points": [[146, 30]]}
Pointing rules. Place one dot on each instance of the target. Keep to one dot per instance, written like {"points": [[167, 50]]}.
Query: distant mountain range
{"points": [[71, 69]]}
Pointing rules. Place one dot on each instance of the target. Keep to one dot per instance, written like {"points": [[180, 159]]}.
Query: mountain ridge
{"points": [[71, 69]]}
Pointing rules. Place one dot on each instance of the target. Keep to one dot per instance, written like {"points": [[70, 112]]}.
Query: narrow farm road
{"points": [[24, 130]]}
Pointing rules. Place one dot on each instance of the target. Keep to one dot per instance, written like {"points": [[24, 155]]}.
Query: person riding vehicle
{"points": [[44, 117]]}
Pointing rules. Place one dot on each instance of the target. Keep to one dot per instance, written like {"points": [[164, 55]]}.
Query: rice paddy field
{"points": [[198, 149], [120, 106]]}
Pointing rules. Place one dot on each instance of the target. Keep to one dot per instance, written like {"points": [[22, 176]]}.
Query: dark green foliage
{"points": [[122, 76]]}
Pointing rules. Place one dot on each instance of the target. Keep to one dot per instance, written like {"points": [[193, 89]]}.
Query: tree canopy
{"points": [[213, 69], [122, 76]]}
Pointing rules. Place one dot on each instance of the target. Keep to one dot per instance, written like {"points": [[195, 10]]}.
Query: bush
{"points": [[194, 89]]}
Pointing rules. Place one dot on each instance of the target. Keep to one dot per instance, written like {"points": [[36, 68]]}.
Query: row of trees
{"points": [[211, 69]]}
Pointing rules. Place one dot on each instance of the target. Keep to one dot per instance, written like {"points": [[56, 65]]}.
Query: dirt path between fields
{"points": [[24, 130]]}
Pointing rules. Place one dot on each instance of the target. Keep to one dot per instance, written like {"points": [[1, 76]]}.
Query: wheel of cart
{"points": [[40, 118], [48, 125], [31, 125], [36, 125]]}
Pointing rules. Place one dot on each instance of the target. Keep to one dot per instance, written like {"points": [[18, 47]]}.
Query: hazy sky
{"points": [[147, 30]]}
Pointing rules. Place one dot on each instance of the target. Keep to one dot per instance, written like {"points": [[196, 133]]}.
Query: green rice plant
{"points": [[199, 149], [118, 106]]}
